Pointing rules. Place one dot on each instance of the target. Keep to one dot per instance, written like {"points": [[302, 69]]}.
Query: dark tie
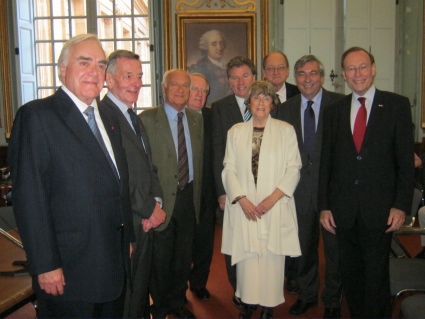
{"points": [[183, 163], [309, 128], [247, 115], [133, 118], [360, 124], [95, 129], [278, 98]]}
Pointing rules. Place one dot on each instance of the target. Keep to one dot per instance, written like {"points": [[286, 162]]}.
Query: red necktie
{"points": [[360, 124]]}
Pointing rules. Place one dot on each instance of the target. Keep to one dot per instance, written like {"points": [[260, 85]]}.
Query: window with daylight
{"points": [[119, 24]]}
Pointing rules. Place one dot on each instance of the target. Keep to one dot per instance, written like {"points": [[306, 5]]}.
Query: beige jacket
{"points": [[279, 167]]}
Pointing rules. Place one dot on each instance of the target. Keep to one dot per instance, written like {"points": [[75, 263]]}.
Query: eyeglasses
{"points": [[352, 69], [264, 98], [197, 90], [280, 68]]}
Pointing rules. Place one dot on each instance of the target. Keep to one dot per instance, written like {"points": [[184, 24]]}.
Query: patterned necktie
{"points": [[247, 115], [360, 124], [183, 163], [95, 129], [309, 128]]}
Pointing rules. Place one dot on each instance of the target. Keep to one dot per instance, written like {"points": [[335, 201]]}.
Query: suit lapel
{"points": [[75, 121], [164, 130], [235, 110]]}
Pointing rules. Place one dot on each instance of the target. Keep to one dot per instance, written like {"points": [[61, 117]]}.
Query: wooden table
{"points": [[14, 291]]}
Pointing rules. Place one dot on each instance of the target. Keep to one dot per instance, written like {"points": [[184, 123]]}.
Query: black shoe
{"points": [[237, 302], [292, 286], [266, 313], [183, 312], [201, 293], [332, 313], [246, 312], [301, 307], [421, 255]]}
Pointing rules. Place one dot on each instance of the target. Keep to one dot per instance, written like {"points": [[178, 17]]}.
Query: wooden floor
{"points": [[220, 305]]}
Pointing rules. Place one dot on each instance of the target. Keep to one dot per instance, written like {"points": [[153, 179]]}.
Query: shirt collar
{"points": [[317, 99], [122, 106], [80, 104]]}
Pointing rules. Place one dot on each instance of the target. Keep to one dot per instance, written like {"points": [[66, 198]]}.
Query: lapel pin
{"points": [[112, 128], [380, 105]]}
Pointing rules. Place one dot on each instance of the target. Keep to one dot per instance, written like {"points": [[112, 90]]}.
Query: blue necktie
{"points": [[309, 128], [247, 115], [95, 129]]}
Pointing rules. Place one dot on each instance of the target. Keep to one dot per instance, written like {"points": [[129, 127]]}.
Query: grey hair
{"points": [[64, 55], [201, 76], [204, 40], [279, 52], [261, 87], [167, 73], [308, 58], [118, 54]]}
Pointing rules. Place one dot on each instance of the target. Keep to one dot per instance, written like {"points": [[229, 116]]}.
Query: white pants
{"points": [[260, 279]]}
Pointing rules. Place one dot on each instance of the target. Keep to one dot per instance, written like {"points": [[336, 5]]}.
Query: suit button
{"points": [[356, 182], [359, 158], [175, 176], [120, 227], [174, 194]]}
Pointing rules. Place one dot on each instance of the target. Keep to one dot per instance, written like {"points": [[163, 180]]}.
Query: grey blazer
{"points": [[164, 156]]}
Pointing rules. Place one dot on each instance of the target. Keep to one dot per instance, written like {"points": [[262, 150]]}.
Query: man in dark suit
{"points": [[124, 81], [203, 240], [366, 182], [276, 71], [176, 134], [227, 112], [309, 75], [70, 192]]}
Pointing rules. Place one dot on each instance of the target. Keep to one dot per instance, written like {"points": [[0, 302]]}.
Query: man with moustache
{"points": [[302, 111], [70, 192], [276, 71], [227, 112], [176, 134], [212, 45], [366, 182], [203, 240], [124, 81]]}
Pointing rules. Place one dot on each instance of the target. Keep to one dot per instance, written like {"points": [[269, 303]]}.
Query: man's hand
{"points": [[52, 282], [147, 225], [395, 220], [158, 216], [249, 209], [222, 201], [327, 221]]}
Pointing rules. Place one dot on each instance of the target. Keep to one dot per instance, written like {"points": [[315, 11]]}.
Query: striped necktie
{"points": [[183, 163], [247, 115]]}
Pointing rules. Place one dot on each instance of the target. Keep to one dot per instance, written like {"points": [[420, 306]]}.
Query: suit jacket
{"points": [[378, 178], [208, 189], [67, 201], [225, 114], [143, 182], [164, 156], [291, 90], [307, 189]]}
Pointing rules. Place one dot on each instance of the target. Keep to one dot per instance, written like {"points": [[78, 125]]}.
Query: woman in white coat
{"points": [[261, 171]]}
